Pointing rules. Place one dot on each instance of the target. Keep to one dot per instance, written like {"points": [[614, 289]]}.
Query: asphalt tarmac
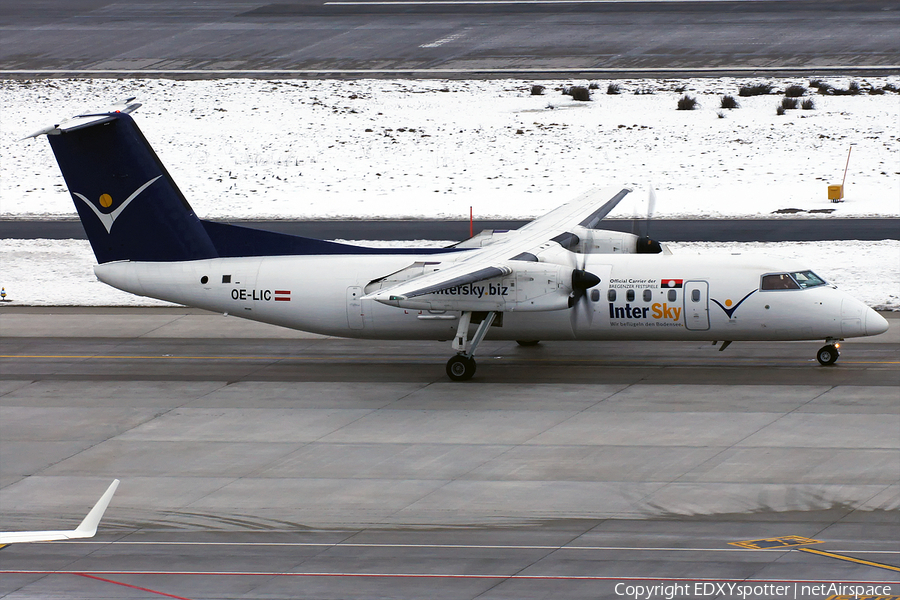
{"points": [[448, 39], [258, 462]]}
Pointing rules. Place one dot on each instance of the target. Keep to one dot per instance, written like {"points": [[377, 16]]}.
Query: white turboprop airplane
{"points": [[556, 278], [87, 528]]}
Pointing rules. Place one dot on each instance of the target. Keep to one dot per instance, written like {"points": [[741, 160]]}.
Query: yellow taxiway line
{"points": [[849, 559]]}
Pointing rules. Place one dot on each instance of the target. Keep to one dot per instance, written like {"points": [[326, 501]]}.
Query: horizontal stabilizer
{"points": [[126, 106]]}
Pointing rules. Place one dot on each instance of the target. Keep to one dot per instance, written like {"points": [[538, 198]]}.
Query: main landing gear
{"points": [[462, 366], [829, 353]]}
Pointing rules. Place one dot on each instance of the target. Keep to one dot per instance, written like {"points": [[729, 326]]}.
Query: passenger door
{"points": [[696, 305]]}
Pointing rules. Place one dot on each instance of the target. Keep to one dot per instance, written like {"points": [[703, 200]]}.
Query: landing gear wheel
{"points": [[460, 368], [827, 355], [526, 343]]}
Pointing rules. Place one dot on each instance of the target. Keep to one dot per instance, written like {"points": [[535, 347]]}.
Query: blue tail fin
{"points": [[132, 210], [129, 206]]}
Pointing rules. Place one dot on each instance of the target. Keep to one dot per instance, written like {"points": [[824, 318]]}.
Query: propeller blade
{"points": [[641, 227], [645, 244], [635, 220], [582, 281]]}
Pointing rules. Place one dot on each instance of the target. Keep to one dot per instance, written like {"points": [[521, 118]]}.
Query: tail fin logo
{"points": [[108, 219]]}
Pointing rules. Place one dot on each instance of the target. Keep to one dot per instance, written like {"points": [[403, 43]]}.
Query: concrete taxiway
{"points": [[258, 462]]}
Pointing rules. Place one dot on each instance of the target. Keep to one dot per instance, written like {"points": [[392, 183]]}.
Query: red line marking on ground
{"points": [[134, 587]]}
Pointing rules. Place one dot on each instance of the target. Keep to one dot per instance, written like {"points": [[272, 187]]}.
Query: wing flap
{"points": [[472, 277], [453, 276]]}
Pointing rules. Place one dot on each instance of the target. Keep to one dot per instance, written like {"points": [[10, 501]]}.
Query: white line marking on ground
{"points": [[452, 546], [442, 41]]}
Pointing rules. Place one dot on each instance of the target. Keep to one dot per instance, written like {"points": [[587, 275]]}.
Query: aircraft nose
{"points": [[875, 323]]}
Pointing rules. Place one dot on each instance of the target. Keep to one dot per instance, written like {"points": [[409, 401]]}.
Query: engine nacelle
{"points": [[602, 241]]}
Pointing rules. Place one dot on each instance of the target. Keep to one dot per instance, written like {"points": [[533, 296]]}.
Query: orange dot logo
{"points": [[728, 302], [105, 200]]}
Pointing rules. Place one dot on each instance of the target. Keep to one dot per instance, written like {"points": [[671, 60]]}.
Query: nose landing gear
{"points": [[829, 353]]}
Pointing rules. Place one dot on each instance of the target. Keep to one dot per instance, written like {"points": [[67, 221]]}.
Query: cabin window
{"points": [[695, 295], [226, 278], [807, 279], [595, 295], [778, 281], [673, 295], [611, 295], [648, 295], [629, 295], [204, 280]]}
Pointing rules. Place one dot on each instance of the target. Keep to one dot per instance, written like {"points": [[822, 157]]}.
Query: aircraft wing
{"points": [[516, 253], [583, 211], [86, 529]]}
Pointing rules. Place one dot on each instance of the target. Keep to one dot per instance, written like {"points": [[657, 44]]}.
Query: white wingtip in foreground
{"points": [[87, 528]]}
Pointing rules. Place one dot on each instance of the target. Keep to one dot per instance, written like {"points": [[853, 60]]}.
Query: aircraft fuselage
{"points": [[639, 297]]}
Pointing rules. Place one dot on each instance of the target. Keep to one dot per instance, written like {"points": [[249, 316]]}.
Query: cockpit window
{"points": [[807, 279], [779, 281]]}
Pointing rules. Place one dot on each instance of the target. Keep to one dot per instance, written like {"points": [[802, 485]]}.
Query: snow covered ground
{"points": [[405, 148]]}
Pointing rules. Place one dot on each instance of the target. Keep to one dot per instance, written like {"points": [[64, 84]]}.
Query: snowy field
{"points": [[406, 148], [431, 149], [61, 272]]}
